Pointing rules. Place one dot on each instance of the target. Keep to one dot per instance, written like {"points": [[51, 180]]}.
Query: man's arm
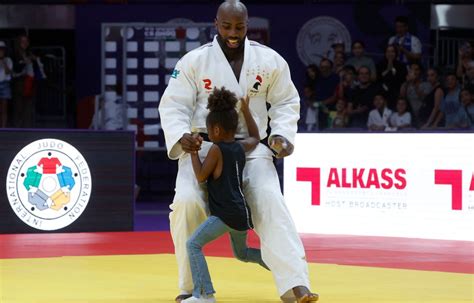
{"points": [[284, 110], [176, 110]]}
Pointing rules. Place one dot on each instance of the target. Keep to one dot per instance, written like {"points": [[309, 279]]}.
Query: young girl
{"points": [[222, 169]]}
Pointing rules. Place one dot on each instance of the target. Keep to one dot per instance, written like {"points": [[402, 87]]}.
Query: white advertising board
{"points": [[416, 185]]}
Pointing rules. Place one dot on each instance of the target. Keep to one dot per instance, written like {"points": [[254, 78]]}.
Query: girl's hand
{"points": [[245, 102]]}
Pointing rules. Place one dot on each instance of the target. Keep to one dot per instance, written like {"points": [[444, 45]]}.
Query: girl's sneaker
{"points": [[202, 299]]}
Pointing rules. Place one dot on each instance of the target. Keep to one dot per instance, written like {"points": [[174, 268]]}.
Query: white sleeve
{"points": [[408, 118], [177, 106], [371, 120], [284, 103], [415, 45]]}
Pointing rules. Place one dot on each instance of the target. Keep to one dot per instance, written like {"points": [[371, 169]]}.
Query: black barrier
{"points": [[66, 181]]}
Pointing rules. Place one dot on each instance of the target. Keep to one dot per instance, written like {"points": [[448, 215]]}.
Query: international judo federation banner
{"points": [[403, 185], [66, 181]]}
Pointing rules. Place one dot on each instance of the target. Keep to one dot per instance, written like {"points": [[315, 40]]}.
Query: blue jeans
{"points": [[208, 231]]}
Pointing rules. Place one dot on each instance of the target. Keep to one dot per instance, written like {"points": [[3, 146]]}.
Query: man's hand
{"points": [[281, 146], [191, 143]]}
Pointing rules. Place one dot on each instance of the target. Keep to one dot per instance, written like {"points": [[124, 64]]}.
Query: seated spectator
{"points": [[468, 77], [402, 117], [311, 120], [409, 46], [379, 116], [112, 111], [339, 117], [312, 74], [454, 113], [465, 56], [337, 47], [415, 90], [362, 99], [467, 100], [391, 73], [429, 109], [339, 63], [6, 68], [359, 59], [325, 87], [345, 88]]}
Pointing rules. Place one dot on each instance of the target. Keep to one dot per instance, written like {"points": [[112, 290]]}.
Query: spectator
{"points": [[312, 74], [391, 73], [112, 111], [345, 88], [379, 116], [402, 117], [454, 113], [359, 59], [415, 90], [311, 109], [339, 63], [468, 77], [409, 46], [325, 87], [467, 100], [465, 56], [26, 69], [362, 99], [6, 67], [339, 117], [429, 109], [337, 47]]}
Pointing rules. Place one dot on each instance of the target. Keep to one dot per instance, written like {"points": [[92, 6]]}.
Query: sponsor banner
{"points": [[402, 185]]}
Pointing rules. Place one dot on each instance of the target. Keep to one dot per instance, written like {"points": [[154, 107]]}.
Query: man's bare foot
{"points": [[304, 295], [182, 297]]}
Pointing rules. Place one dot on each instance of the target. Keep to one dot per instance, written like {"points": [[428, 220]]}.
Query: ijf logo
{"points": [[316, 37], [49, 184]]}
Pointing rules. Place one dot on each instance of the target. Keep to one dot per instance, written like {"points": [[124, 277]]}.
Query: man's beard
{"points": [[228, 51]]}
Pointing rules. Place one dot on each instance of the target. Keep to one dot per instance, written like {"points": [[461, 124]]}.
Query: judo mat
{"points": [[133, 267]]}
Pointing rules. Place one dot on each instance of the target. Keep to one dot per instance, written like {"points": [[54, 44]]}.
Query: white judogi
{"points": [[265, 77]]}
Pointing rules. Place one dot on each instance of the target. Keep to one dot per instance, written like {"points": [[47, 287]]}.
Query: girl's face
{"points": [[311, 73], [432, 76], [415, 69], [401, 106], [340, 105], [390, 53], [339, 59], [213, 131], [379, 102], [2, 52], [451, 82], [348, 76], [357, 50], [466, 97]]}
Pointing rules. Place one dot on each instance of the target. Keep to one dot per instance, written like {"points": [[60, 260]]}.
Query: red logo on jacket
{"points": [[207, 84]]}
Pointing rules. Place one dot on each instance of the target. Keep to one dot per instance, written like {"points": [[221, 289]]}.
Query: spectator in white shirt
{"points": [[409, 46], [402, 117], [378, 117]]}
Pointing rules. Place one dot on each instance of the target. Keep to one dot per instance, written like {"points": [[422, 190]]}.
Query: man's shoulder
{"points": [[263, 49]]}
